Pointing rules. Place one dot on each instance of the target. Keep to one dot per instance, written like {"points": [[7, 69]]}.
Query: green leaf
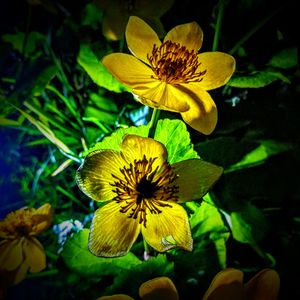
{"points": [[285, 59], [96, 70], [128, 281], [248, 224], [80, 260], [257, 156], [257, 79], [172, 133]]}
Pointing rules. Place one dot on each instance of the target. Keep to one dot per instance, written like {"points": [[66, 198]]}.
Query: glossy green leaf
{"points": [[285, 59], [96, 70], [80, 260], [172, 133], [248, 224], [256, 79]]}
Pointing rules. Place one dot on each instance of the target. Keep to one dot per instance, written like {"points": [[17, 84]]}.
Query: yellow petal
{"points": [[202, 115], [4, 231], [42, 217], [20, 273], [195, 178], [129, 70], [35, 256], [160, 288], [112, 233], [140, 38], [136, 147], [159, 94], [227, 283], [11, 254], [115, 297], [94, 176], [168, 229], [263, 286], [189, 35], [219, 68]]}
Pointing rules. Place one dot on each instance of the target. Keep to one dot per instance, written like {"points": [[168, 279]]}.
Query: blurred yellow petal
{"points": [[94, 176], [42, 217], [227, 283], [219, 68], [20, 273], [195, 178], [35, 256], [202, 115], [136, 147], [112, 233], [140, 38], [189, 35], [161, 95], [5, 232], [129, 70], [168, 229], [115, 297], [160, 288], [263, 286], [11, 254]]}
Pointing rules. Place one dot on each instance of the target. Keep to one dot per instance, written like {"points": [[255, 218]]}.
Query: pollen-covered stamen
{"points": [[144, 189], [175, 64]]}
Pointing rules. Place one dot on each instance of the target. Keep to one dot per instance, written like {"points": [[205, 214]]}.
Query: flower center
{"points": [[144, 190], [175, 64]]}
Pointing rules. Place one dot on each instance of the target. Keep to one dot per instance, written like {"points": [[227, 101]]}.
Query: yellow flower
{"points": [[159, 288], [228, 284], [171, 75], [20, 250], [117, 12], [143, 192]]}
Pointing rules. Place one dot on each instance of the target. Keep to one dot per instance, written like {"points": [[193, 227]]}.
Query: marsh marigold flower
{"points": [[20, 250], [143, 193], [117, 12], [226, 285], [171, 75]]}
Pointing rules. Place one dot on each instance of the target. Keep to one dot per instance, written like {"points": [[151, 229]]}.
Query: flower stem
{"points": [[221, 7], [153, 122]]}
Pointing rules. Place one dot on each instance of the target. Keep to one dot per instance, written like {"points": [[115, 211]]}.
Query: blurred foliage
{"points": [[58, 102]]}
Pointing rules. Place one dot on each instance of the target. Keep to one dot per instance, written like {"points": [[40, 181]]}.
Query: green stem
{"points": [[221, 7], [153, 122], [253, 30], [43, 274]]}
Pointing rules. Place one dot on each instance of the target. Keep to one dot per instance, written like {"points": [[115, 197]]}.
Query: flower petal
{"points": [[159, 94], [195, 178], [11, 254], [168, 229], [202, 115], [226, 285], [140, 38], [35, 256], [135, 147], [94, 176], [158, 289], [129, 70], [112, 233], [115, 297], [4, 230], [20, 273], [219, 68], [189, 35], [263, 286], [42, 217]]}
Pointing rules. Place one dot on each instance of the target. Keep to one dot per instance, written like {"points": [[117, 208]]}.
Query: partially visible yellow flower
{"points": [[20, 250], [171, 75], [159, 288], [228, 284], [117, 12], [143, 193]]}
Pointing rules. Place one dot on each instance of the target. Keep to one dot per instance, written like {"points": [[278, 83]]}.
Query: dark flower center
{"points": [[143, 190], [175, 64]]}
